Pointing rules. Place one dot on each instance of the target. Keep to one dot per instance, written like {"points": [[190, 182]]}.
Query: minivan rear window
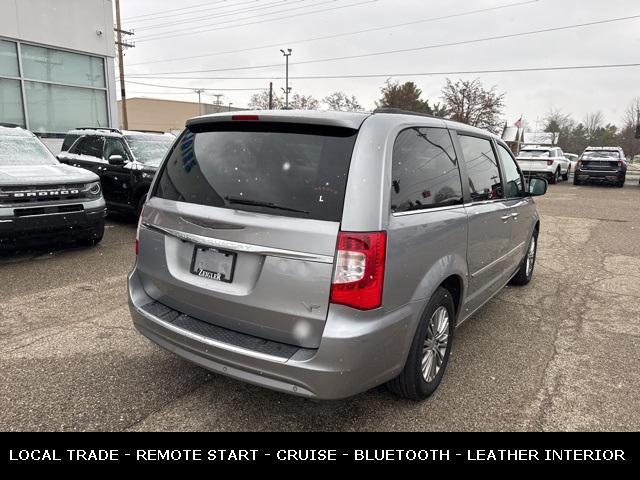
{"points": [[280, 169]]}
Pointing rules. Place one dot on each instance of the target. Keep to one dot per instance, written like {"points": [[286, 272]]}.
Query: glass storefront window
{"points": [[8, 59], [11, 110], [58, 109], [51, 65]]}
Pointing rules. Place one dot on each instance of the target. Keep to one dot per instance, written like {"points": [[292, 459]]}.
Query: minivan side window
{"points": [[512, 177], [425, 171], [482, 168]]}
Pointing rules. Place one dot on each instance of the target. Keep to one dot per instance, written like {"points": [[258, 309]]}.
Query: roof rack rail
{"points": [[10, 125], [114, 130], [159, 132], [400, 111]]}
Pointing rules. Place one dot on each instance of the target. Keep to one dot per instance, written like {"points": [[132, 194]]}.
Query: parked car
{"points": [[544, 162], [573, 161], [125, 161], [323, 254], [602, 165], [41, 198]]}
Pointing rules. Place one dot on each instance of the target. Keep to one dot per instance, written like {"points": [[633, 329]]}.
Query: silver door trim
{"points": [[241, 247], [495, 262], [428, 210]]}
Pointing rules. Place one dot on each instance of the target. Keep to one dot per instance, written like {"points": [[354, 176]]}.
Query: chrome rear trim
{"points": [[241, 247]]}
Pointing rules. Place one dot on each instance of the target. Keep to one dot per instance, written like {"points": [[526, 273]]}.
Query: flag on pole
{"points": [[519, 123]]}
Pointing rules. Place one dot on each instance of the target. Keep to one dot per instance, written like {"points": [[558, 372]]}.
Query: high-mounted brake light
{"points": [[245, 118], [359, 275]]}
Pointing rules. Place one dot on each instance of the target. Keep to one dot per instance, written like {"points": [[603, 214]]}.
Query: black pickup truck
{"points": [[41, 198], [125, 161]]}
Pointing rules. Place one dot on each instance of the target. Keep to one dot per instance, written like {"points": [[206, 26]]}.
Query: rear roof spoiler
{"points": [[308, 117]]}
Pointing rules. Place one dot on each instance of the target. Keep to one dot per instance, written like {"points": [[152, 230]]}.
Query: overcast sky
{"points": [[233, 25]]}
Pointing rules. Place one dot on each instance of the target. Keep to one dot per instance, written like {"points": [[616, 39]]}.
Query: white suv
{"points": [[547, 162]]}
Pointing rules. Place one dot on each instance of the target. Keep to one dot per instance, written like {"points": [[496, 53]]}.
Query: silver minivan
{"points": [[323, 254]]}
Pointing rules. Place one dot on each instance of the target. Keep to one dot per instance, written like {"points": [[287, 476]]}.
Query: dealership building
{"points": [[57, 65]]}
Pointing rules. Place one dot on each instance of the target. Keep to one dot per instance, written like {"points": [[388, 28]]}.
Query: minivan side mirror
{"points": [[538, 187], [116, 160]]}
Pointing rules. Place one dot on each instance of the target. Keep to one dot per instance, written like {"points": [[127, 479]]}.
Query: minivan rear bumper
{"points": [[358, 351]]}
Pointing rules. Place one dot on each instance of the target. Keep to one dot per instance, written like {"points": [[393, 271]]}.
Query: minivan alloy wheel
{"points": [[531, 256], [435, 344]]}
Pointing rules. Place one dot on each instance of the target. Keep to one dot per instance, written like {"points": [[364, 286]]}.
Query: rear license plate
{"points": [[213, 264]]}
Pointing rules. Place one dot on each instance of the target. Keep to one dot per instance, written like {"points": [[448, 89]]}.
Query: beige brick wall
{"points": [[163, 115]]}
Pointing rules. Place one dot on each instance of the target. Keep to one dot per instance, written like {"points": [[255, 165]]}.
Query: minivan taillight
{"points": [[358, 279], [138, 233], [549, 162]]}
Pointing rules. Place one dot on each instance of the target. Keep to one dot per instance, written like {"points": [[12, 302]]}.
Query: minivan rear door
{"points": [[241, 227]]}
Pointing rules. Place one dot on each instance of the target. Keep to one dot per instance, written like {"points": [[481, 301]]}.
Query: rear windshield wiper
{"points": [[257, 203]]}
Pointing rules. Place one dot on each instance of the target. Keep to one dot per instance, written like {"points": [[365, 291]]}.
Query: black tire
{"points": [[411, 383], [95, 236], [565, 176], [524, 275], [575, 180], [554, 178], [621, 182]]}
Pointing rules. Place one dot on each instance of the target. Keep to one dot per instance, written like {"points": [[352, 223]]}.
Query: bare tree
{"points": [[303, 102], [562, 123], [593, 124], [557, 121], [341, 102], [469, 102], [260, 101], [632, 113], [631, 120]]}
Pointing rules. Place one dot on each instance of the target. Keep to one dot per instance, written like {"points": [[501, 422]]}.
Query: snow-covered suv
{"points": [[125, 161], [544, 161]]}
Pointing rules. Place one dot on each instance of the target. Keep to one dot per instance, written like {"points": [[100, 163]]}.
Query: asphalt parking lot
{"points": [[560, 354]]}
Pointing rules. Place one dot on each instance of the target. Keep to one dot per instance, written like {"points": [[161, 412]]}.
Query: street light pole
{"points": [[230, 106], [287, 90], [199, 91]]}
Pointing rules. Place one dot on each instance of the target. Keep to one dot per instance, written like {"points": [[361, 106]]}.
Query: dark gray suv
{"points": [[323, 254]]}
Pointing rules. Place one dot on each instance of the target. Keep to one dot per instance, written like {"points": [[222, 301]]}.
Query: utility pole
{"points": [[287, 90], [270, 95], [121, 46], [199, 91], [230, 106], [218, 102]]}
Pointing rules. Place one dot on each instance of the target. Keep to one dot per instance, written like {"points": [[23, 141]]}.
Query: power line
{"points": [[346, 34], [224, 24], [163, 37], [209, 8], [403, 50], [200, 18], [191, 88], [417, 74], [160, 12]]}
